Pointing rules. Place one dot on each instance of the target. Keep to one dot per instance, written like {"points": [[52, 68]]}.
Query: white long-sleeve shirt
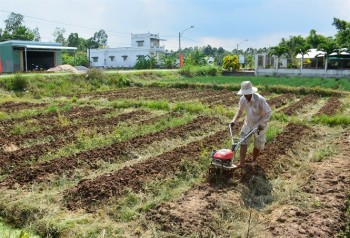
{"points": [[257, 109]]}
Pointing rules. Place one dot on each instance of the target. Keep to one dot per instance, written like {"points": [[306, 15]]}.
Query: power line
{"points": [[67, 24]]}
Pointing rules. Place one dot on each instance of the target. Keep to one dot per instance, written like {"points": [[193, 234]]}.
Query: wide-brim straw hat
{"points": [[247, 88]]}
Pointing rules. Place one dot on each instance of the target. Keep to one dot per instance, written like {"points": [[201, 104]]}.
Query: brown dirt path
{"points": [[328, 186]]}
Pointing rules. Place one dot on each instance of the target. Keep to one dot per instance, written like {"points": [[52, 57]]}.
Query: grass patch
{"points": [[335, 120], [7, 231]]}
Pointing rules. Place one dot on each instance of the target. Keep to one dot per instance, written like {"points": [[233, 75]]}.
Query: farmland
{"points": [[128, 157]]}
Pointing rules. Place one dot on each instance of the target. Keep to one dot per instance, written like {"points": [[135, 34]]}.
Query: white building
{"points": [[141, 45]]}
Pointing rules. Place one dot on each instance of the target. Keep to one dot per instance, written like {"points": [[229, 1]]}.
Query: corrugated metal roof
{"points": [[50, 47]]}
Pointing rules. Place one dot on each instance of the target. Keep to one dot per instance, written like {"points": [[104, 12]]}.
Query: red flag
{"points": [[0, 66], [181, 60]]}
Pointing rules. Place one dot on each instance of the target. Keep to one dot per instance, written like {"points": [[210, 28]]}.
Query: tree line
{"points": [[15, 29]]}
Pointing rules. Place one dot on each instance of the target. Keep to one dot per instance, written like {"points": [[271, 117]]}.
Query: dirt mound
{"points": [[64, 68]]}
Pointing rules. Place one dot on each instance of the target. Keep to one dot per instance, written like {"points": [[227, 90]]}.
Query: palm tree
{"points": [[304, 49], [328, 46], [278, 51]]}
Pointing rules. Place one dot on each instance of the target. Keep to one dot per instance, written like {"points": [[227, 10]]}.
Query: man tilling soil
{"points": [[258, 113]]}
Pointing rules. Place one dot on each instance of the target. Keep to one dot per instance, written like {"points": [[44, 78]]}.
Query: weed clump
{"points": [[17, 83]]}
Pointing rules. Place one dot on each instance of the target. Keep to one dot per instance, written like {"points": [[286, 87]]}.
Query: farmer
{"points": [[258, 112]]}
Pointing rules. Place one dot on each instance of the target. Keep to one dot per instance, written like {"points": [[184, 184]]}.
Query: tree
{"points": [[208, 50], [278, 51], [169, 61], [329, 46], [145, 62], [314, 39], [294, 44], [15, 29], [36, 34], [80, 58], [231, 63], [74, 40], [59, 35], [304, 49], [343, 35], [101, 38], [195, 57]]}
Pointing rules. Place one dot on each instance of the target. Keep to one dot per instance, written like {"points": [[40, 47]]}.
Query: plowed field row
{"points": [[9, 161], [294, 108], [193, 213], [332, 105], [279, 101], [165, 94], [53, 123], [72, 113], [16, 106], [89, 192], [91, 118], [89, 159], [172, 95]]}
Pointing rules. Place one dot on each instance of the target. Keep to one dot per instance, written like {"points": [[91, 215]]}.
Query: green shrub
{"points": [[186, 71], [119, 81], [191, 71], [16, 83], [19, 83], [96, 77]]}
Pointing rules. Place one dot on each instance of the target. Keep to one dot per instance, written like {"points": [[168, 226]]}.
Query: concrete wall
{"points": [[317, 73]]}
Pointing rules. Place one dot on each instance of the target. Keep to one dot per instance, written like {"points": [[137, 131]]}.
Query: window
{"points": [[140, 43], [140, 57], [125, 57], [94, 59], [112, 58]]}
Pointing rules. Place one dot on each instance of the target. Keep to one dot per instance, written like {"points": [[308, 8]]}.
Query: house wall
{"points": [[114, 57], [317, 73], [126, 57], [6, 58]]}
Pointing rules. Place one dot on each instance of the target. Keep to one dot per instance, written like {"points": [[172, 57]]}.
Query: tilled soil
{"points": [[177, 216], [89, 192], [16, 106], [296, 107], [281, 100], [331, 107], [329, 187], [62, 136], [89, 159]]}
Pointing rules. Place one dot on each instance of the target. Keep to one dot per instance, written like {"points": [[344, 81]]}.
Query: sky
{"points": [[230, 24]]}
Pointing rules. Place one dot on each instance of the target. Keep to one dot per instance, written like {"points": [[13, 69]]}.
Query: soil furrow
{"points": [[193, 213], [331, 107], [16, 106], [294, 108], [9, 161], [40, 172], [89, 117], [88, 192]]}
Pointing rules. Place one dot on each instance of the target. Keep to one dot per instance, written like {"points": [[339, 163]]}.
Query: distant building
{"points": [[142, 45], [17, 56]]}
